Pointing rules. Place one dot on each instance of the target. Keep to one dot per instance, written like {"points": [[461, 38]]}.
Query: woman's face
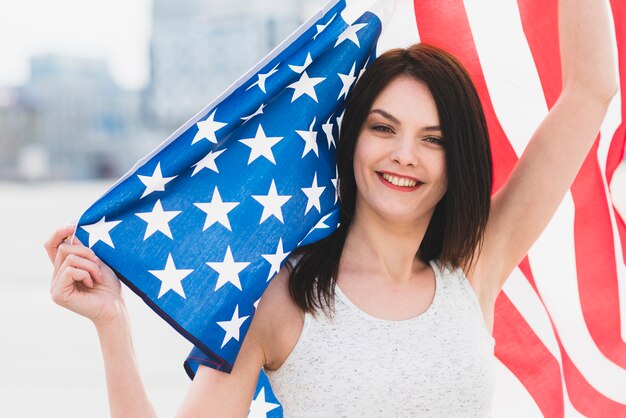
{"points": [[399, 160]]}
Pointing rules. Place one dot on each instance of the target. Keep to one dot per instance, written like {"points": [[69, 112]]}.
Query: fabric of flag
{"points": [[199, 227]]}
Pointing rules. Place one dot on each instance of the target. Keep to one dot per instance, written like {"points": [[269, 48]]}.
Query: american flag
{"points": [[198, 227]]}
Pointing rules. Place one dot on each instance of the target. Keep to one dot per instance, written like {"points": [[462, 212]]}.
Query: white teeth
{"points": [[402, 182]]}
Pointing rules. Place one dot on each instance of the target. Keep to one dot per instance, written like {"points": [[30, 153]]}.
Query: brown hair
{"points": [[456, 229]]}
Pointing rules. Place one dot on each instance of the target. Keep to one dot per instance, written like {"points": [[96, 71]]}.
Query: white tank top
{"points": [[438, 364]]}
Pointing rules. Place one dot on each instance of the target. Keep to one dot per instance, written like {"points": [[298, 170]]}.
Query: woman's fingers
{"points": [[77, 257], [57, 239], [65, 249], [69, 277]]}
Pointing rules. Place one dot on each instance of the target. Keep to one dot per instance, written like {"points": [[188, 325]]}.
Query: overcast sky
{"points": [[116, 30]]}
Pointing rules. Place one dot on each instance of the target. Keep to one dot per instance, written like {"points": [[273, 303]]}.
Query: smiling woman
{"points": [[392, 313], [406, 117]]}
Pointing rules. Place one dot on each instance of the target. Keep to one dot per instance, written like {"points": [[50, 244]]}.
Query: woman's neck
{"points": [[382, 248]]}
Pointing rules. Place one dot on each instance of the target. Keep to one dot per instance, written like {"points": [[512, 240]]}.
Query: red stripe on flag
{"points": [[584, 397], [595, 261], [536, 369], [616, 151], [593, 233], [444, 24], [539, 371]]}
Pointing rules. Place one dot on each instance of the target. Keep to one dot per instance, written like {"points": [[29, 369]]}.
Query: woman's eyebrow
{"points": [[434, 128], [386, 115]]}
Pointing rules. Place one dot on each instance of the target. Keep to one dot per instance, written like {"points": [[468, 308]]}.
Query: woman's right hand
{"points": [[81, 282]]}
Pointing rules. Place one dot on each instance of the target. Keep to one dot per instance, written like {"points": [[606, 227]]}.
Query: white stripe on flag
{"points": [[527, 302], [613, 117], [510, 73], [399, 25], [398, 21], [558, 287], [612, 121], [525, 299], [510, 391]]}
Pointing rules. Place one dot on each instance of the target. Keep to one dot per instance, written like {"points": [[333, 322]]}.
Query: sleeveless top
{"points": [[438, 364]]}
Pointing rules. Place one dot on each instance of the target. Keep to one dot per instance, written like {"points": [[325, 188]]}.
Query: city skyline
{"points": [[116, 31], [74, 116]]}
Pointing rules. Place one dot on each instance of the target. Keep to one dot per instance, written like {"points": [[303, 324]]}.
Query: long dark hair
{"points": [[455, 232]]}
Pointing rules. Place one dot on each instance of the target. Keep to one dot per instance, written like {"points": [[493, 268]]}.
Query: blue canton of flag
{"points": [[199, 227]]}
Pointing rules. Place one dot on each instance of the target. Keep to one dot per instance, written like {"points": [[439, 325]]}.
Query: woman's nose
{"points": [[405, 152]]}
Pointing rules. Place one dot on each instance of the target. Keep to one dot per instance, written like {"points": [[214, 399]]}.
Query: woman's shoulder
{"points": [[279, 319]]}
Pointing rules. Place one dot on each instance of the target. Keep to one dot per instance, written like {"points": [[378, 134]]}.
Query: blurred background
{"points": [[86, 89]]}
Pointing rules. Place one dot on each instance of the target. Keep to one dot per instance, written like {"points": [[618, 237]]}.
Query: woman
{"points": [[419, 251]]}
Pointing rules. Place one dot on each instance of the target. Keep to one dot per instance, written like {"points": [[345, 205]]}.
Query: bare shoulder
{"points": [[280, 320]]}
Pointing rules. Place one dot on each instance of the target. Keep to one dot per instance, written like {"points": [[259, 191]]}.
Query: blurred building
{"points": [[17, 129], [72, 121], [200, 47], [84, 121]]}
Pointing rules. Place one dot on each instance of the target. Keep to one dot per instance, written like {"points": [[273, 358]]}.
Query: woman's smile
{"points": [[400, 183]]}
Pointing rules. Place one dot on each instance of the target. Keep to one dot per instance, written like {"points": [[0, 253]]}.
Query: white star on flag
{"points": [[306, 85], [171, 278], [363, 69], [272, 203], [207, 162], [339, 120], [275, 259], [328, 130], [347, 80], [259, 407], [232, 327], [156, 182], [334, 182], [257, 112], [299, 68], [320, 28], [261, 145], [100, 231], [256, 304], [318, 225], [313, 195], [228, 270], [216, 210], [321, 224], [362, 72], [310, 140], [158, 220], [261, 79], [350, 34], [207, 129]]}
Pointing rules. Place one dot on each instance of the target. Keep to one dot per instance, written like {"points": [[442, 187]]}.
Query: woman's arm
{"points": [[525, 204], [127, 394], [84, 284]]}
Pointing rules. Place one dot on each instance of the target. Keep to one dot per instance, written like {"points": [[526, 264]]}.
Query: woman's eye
{"points": [[382, 128], [435, 140]]}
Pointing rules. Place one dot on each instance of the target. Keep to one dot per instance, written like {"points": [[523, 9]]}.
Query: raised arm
{"points": [[524, 205], [84, 284]]}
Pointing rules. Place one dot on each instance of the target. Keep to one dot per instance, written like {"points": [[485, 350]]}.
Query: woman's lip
{"points": [[399, 188]]}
